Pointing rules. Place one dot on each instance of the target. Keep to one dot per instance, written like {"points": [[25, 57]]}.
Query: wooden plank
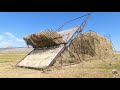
{"points": [[39, 58], [45, 58]]}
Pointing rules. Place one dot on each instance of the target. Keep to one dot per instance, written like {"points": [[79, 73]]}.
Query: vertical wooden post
{"points": [[76, 51], [82, 47], [61, 60]]}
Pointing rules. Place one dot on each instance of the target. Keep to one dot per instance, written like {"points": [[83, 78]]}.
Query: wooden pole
{"points": [[76, 51]]}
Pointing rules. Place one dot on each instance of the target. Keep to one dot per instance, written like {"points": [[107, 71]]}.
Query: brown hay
{"points": [[44, 39], [93, 45], [90, 46]]}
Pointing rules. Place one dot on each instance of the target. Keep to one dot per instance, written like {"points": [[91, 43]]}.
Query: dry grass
{"points": [[10, 57], [89, 69]]}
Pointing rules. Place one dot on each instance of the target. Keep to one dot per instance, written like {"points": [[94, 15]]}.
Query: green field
{"points": [[89, 69], [10, 57]]}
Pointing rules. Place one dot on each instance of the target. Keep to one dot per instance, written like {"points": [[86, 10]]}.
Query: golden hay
{"points": [[89, 46], [44, 39]]}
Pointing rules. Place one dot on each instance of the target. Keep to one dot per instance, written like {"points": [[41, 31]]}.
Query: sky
{"points": [[15, 25]]}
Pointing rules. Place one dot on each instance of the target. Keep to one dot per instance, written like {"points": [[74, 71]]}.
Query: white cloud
{"points": [[14, 37], [10, 34], [8, 39], [5, 44], [1, 37]]}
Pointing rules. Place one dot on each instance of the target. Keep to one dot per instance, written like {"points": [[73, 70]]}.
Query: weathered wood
{"points": [[43, 59]]}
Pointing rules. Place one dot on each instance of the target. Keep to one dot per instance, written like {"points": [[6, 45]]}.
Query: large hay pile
{"points": [[93, 44], [88, 46], [44, 39]]}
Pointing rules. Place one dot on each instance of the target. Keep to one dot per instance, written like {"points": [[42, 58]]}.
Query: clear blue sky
{"points": [[15, 25]]}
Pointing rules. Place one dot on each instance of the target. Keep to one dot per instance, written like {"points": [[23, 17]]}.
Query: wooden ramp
{"points": [[40, 58], [44, 58]]}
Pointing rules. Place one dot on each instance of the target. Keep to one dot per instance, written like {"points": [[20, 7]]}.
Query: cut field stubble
{"points": [[85, 69]]}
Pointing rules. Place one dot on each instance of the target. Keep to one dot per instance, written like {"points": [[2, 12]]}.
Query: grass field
{"points": [[89, 69]]}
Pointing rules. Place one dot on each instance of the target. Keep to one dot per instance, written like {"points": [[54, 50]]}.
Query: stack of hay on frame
{"points": [[44, 39], [89, 46]]}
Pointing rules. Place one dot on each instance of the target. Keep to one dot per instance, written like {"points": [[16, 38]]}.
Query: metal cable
{"points": [[71, 21]]}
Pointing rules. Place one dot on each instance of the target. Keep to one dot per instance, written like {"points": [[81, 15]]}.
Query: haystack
{"points": [[44, 39], [87, 46]]}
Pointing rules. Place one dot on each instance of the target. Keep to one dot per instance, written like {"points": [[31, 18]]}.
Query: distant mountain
{"points": [[15, 50], [117, 51]]}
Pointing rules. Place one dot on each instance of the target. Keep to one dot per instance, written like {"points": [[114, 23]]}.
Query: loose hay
{"points": [[89, 46], [44, 39]]}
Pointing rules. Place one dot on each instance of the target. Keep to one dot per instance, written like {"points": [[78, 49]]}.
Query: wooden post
{"points": [[82, 49], [76, 51], [61, 60]]}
